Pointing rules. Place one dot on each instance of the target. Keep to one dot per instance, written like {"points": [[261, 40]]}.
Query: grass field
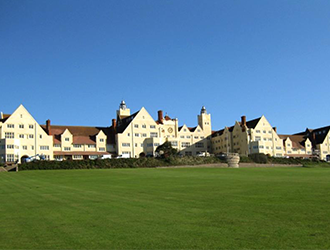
{"points": [[186, 208]]}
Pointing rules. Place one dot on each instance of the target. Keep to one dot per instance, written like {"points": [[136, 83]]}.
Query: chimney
{"points": [[160, 116], [275, 129], [243, 120], [114, 123], [48, 127], [243, 123]]}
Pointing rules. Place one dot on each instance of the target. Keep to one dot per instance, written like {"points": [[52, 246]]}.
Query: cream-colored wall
{"points": [[324, 148], [136, 143], [261, 139], [35, 139]]}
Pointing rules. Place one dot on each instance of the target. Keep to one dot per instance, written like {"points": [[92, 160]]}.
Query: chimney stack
{"points": [[48, 127], [160, 116], [114, 123], [243, 120], [275, 129], [243, 123]]}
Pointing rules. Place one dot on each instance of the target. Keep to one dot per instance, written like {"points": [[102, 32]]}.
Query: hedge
{"points": [[144, 162]]}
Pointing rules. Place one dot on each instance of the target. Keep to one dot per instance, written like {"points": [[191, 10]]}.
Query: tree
{"points": [[166, 150]]}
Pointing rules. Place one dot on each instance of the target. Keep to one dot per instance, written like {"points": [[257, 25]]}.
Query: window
{"points": [[9, 135], [10, 158], [202, 137], [269, 139], [156, 144], [31, 136], [261, 146], [21, 126], [24, 147], [278, 148], [67, 139], [144, 135], [198, 130], [265, 139], [152, 126], [199, 145], [10, 126], [67, 148], [264, 131], [101, 140], [137, 135], [174, 143], [125, 144], [102, 149], [258, 138], [195, 137], [289, 144], [149, 144], [188, 153], [9, 146], [31, 126], [144, 126], [185, 144], [74, 145], [188, 136], [128, 134], [32, 147], [185, 130], [182, 136], [91, 146], [77, 157], [44, 147], [136, 125], [58, 145], [40, 136], [153, 134], [257, 131], [21, 136]]}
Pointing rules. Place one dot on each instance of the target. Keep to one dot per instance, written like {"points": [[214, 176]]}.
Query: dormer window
{"points": [[67, 139]]}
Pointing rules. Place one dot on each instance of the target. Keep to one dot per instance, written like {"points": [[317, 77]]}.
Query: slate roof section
{"points": [[4, 117], [122, 124], [253, 123], [316, 136]]}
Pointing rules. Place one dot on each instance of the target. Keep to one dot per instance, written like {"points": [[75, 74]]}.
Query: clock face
{"points": [[170, 130]]}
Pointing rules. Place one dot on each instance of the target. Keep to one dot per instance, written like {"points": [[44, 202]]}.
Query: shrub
{"points": [[258, 158]]}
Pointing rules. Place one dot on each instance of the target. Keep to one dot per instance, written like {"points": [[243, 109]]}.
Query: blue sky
{"points": [[74, 61]]}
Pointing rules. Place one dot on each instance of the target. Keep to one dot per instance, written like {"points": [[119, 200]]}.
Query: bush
{"points": [[143, 162], [258, 158]]}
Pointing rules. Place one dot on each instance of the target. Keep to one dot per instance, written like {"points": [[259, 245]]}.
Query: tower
{"points": [[123, 111], [204, 121]]}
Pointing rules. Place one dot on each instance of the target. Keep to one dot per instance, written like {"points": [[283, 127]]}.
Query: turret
{"points": [[123, 111], [204, 121]]}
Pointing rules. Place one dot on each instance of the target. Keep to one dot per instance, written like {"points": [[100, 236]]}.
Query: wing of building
{"points": [[130, 135]]}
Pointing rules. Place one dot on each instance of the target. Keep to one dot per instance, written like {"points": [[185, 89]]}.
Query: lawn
{"points": [[178, 208]]}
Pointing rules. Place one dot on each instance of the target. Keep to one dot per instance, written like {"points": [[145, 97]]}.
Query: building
{"points": [[130, 135], [248, 137], [296, 146], [22, 137], [320, 140], [139, 134]]}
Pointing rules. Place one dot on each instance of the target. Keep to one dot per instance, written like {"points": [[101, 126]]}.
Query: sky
{"points": [[73, 61]]}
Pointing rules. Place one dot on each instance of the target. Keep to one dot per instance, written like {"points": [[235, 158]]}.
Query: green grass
{"points": [[186, 208]]}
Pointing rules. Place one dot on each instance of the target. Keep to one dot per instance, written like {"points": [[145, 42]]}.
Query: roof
{"points": [[81, 134], [122, 124], [298, 141], [316, 136], [4, 117], [253, 123]]}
